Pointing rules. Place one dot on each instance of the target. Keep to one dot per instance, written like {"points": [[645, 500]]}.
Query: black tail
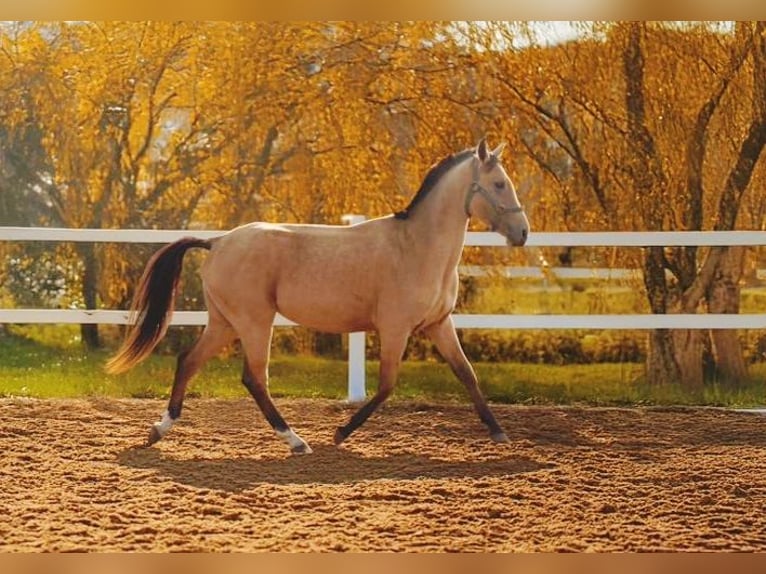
{"points": [[152, 305]]}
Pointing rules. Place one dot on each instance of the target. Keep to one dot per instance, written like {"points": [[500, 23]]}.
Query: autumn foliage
{"points": [[211, 124]]}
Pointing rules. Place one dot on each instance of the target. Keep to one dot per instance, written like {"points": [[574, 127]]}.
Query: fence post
{"points": [[356, 347]]}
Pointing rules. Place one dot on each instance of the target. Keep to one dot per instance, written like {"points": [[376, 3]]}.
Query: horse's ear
{"points": [[498, 151], [482, 151]]}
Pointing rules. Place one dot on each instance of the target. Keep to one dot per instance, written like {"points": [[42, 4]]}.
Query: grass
{"points": [[577, 297], [60, 368]]}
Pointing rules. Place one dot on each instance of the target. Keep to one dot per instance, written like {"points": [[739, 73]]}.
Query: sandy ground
{"points": [[415, 478]]}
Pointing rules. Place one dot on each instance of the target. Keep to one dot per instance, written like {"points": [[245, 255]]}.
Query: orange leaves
{"points": [[166, 123]]}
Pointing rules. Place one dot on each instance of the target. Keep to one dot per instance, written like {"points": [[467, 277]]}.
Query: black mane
{"points": [[432, 177]]}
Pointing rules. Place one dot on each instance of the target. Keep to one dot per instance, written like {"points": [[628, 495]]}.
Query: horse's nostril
{"points": [[524, 233]]}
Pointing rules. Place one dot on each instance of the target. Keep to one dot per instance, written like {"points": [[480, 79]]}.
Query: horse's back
{"points": [[322, 276]]}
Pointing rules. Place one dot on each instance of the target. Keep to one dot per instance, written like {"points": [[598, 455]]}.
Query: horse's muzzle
{"points": [[517, 237]]}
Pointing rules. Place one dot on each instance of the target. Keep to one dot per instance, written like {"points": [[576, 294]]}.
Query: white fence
{"points": [[356, 351]]}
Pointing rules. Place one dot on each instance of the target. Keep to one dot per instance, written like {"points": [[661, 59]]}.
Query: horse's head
{"points": [[492, 197]]}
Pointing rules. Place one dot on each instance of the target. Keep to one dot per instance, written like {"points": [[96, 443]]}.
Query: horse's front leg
{"points": [[391, 351], [444, 336]]}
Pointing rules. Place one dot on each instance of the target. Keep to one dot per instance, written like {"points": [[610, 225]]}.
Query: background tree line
{"points": [[635, 126]]}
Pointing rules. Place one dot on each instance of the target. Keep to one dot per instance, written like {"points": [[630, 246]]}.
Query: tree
{"points": [[31, 274], [120, 130], [618, 104], [151, 124], [23, 161]]}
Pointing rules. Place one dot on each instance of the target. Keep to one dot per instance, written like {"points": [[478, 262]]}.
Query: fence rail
{"points": [[356, 358], [462, 320], [474, 238]]}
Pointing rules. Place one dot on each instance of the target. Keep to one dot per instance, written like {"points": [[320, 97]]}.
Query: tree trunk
{"points": [[661, 366], [688, 350], [89, 332], [723, 297], [674, 356], [645, 169]]}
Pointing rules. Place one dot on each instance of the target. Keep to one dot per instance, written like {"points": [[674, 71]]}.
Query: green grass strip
{"points": [[31, 369]]}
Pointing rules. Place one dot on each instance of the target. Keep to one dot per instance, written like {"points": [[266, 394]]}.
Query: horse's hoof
{"points": [[340, 436], [301, 449], [154, 436], [499, 437]]}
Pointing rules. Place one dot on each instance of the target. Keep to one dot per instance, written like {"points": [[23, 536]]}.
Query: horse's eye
{"points": [[499, 185]]}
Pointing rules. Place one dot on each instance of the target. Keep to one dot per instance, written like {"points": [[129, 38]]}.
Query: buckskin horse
{"points": [[395, 275]]}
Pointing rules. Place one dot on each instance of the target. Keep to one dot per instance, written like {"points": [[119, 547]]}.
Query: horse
{"points": [[396, 275]]}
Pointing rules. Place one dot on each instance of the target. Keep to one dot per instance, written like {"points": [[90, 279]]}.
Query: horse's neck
{"points": [[439, 225]]}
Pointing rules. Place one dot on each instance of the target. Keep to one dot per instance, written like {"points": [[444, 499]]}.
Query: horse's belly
{"points": [[329, 314]]}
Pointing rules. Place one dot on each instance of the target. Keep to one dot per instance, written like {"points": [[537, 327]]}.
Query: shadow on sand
{"points": [[327, 465]]}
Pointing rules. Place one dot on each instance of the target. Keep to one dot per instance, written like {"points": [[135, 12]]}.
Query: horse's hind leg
{"points": [[255, 377], [445, 338], [217, 334]]}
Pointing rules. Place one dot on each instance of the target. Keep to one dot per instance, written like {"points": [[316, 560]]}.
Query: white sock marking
{"points": [[292, 439], [165, 424]]}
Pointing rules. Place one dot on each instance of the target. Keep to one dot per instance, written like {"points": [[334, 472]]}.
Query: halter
{"points": [[498, 208]]}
